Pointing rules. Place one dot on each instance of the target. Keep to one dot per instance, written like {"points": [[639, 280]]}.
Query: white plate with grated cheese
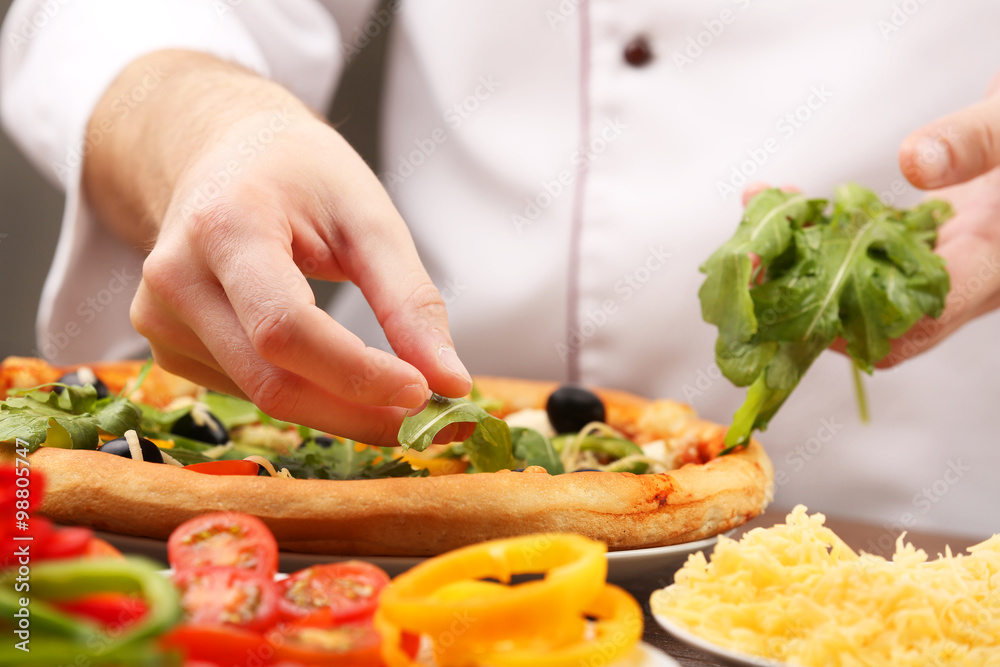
{"points": [[728, 656]]}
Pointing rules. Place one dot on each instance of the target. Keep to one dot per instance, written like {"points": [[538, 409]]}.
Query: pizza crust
{"points": [[430, 515]]}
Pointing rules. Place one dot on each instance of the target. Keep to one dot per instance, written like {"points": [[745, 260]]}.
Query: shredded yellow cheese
{"points": [[796, 593], [268, 466]]}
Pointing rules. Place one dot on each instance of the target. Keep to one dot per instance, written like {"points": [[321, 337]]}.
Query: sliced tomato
{"points": [[216, 645], [228, 539], [348, 590], [319, 640], [228, 596], [112, 610], [234, 467], [53, 543]]}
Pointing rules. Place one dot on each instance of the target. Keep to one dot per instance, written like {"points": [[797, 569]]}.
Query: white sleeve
{"points": [[57, 57]]}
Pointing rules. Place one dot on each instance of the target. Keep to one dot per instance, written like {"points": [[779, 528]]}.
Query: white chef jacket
{"points": [[562, 198]]}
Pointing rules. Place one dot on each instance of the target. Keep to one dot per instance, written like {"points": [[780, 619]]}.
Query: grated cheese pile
{"points": [[796, 593]]}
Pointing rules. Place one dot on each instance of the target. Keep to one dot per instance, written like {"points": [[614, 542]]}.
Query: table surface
{"points": [[872, 538]]}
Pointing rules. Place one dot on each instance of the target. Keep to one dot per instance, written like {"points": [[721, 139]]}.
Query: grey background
{"points": [[31, 208]]}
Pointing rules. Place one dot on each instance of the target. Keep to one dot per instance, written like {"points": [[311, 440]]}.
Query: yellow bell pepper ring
{"points": [[614, 633], [431, 600]]}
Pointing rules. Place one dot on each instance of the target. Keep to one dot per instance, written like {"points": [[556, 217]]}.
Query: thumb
{"points": [[954, 149]]}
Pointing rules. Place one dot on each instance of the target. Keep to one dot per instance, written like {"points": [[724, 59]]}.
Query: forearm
{"points": [[154, 121]]}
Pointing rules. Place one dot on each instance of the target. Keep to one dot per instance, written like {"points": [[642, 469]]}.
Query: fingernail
{"points": [[410, 396], [931, 158], [450, 360]]}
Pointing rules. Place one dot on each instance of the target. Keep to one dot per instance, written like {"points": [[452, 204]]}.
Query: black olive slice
{"points": [[571, 407], [120, 447], [201, 425]]}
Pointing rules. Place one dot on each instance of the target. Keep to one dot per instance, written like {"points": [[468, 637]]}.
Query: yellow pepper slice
{"points": [[574, 570], [435, 465], [614, 634]]}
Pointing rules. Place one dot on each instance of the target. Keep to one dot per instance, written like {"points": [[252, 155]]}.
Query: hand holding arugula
{"points": [[864, 272]]}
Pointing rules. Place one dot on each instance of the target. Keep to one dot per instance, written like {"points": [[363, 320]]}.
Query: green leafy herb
{"points": [[127, 391], [344, 459], [866, 272], [486, 403], [232, 411], [489, 449], [69, 420], [535, 449]]}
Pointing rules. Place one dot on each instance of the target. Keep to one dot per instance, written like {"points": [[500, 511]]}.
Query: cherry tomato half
{"points": [[349, 590], [228, 596], [215, 644], [234, 467], [319, 640], [229, 539]]}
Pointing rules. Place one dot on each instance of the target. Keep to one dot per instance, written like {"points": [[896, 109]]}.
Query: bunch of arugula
{"points": [[865, 272]]}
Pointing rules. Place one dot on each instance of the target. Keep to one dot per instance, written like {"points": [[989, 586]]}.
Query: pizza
{"points": [[647, 473]]}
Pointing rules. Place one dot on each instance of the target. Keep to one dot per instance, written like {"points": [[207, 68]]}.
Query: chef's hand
{"points": [[957, 158], [240, 192]]}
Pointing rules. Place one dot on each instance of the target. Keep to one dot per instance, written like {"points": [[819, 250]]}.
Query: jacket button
{"points": [[637, 52]]}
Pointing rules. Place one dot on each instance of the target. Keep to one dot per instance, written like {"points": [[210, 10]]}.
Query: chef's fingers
{"points": [[176, 348], [954, 149], [385, 265], [275, 390], [164, 329], [276, 309], [179, 363], [975, 289]]}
